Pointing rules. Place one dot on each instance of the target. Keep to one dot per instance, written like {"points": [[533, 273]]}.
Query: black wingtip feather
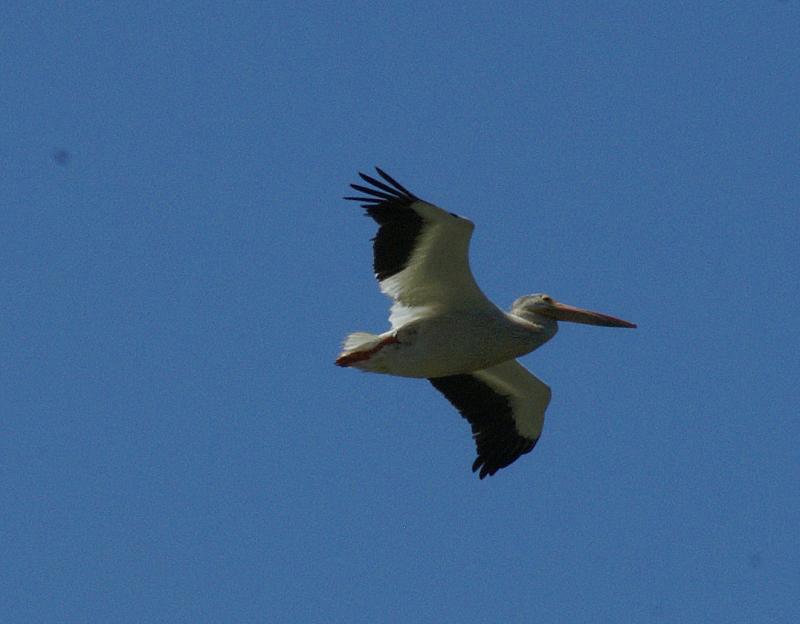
{"points": [[390, 206], [498, 442], [377, 183], [373, 192], [393, 182]]}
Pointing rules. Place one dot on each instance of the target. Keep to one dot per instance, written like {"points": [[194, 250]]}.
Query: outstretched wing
{"points": [[505, 406], [421, 252]]}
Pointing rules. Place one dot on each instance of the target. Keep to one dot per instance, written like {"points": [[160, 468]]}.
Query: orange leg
{"points": [[360, 356]]}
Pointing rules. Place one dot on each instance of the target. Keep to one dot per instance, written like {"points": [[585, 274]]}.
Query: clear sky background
{"points": [[177, 270]]}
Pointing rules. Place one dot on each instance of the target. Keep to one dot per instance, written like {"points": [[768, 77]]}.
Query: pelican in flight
{"points": [[444, 329]]}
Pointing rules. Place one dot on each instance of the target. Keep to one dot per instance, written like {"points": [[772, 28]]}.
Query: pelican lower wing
{"points": [[505, 407]]}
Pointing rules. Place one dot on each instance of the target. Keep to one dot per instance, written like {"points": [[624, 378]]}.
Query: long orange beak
{"points": [[564, 312]]}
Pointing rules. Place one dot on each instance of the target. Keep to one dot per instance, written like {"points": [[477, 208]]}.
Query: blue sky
{"points": [[176, 442]]}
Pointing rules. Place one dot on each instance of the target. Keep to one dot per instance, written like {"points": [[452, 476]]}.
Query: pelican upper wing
{"points": [[505, 406], [421, 252]]}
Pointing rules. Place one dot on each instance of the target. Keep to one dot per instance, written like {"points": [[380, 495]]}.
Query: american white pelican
{"points": [[445, 329]]}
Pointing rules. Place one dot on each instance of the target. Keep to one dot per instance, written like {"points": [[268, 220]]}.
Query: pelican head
{"points": [[542, 305]]}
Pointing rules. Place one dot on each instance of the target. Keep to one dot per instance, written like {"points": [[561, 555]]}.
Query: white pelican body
{"points": [[435, 345], [445, 329]]}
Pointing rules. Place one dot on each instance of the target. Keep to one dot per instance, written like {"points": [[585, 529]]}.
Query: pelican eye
{"points": [[547, 299]]}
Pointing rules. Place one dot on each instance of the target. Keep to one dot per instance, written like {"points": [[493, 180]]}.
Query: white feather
{"points": [[437, 278]]}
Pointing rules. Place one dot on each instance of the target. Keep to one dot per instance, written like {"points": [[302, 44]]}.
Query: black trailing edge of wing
{"points": [[389, 204], [490, 416]]}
